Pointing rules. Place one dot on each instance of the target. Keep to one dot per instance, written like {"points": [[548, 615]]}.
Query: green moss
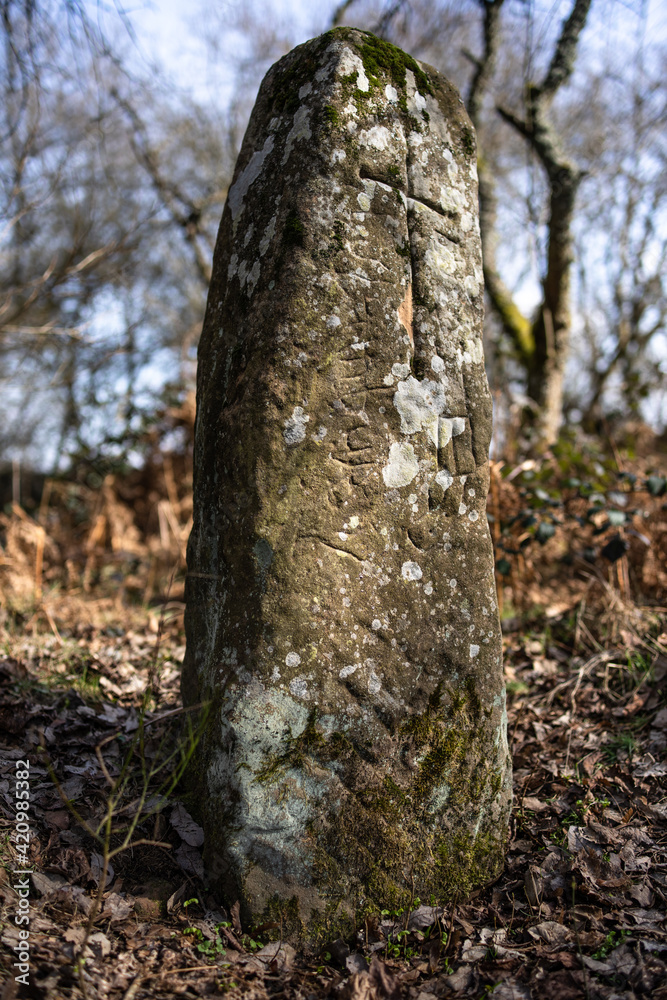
{"points": [[381, 886], [381, 59], [294, 231], [337, 243], [373, 845], [337, 35], [286, 913], [394, 789], [330, 115], [467, 140], [296, 73], [379, 56], [290, 82], [463, 864], [295, 751]]}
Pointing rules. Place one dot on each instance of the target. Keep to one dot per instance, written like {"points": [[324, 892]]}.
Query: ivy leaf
{"points": [[544, 532], [656, 485], [614, 549]]}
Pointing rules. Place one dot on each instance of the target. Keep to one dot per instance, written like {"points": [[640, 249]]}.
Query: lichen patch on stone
{"points": [[411, 571], [295, 426], [402, 467], [241, 185]]}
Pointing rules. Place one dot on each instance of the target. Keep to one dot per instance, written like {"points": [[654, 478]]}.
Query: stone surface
{"points": [[342, 616]]}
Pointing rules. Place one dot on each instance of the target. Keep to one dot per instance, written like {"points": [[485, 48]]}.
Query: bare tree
{"points": [[622, 286], [541, 344], [111, 187], [112, 184]]}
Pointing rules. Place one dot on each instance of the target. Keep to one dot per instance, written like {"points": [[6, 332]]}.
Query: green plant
{"points": [[612, 940], [250, 943], [193, 932], [619, 743], [212, 948], [551, 491]]}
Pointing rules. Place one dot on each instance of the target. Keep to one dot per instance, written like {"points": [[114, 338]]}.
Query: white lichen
{"points": [[239, 188], [300, 130], [411, 571], [349, 63], [402, 467], [299, 687], [269, 233], [444, 478], [295, 426], [419, 404], [377, 137]]}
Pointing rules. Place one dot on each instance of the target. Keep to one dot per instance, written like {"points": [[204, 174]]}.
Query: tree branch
{"points": [[551, 330], [381, 27], [485, 65], [517, 327], [562, 62], [340, 12]]}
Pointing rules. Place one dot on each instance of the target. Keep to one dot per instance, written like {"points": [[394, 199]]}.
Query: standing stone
{"points": [[342, 616]]}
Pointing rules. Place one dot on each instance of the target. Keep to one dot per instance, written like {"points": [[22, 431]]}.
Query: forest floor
{"points": [[578, 912], [91, 726]]}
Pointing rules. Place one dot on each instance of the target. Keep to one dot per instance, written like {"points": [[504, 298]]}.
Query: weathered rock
{"points": [[342, 615]]}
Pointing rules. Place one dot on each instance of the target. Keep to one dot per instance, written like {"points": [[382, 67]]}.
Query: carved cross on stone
{"points": [[342, 616]]}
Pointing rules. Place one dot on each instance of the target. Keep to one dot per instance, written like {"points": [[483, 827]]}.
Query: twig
{"points": [[196, 968], [134, 987]]}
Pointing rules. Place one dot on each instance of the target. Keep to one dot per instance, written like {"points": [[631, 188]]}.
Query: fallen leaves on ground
{"points": [[578, 912]]}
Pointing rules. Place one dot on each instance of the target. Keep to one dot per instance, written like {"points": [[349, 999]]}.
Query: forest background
{"points": [[119, 130]]}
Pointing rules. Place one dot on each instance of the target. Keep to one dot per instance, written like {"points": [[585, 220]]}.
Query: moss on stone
{"points": [[294, 753], [330, 115], [295, 73], [468, 140], [463, 864], [286, 914], [380, 56], [371, 846], [385, 805], [294, 231], [337, 243]]}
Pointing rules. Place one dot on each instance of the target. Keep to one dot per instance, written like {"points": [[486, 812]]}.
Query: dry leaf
{"points": [[185, 826], [551, 933]]}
